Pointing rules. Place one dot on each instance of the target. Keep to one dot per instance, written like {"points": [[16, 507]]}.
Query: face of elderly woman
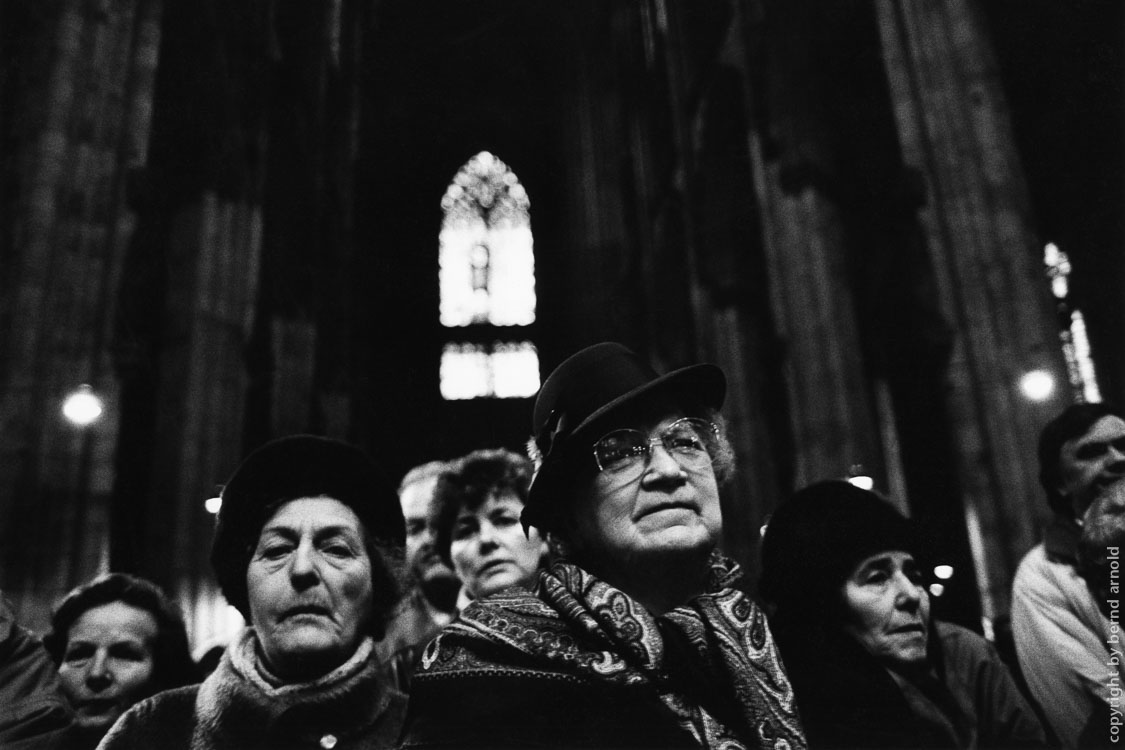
{"points": [[107, 665], [662, 503], [489, 549], [309, 586], [888, 609]]}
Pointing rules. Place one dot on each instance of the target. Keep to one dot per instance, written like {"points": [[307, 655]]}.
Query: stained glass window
{"points": [[501, 370], [486, 272]]}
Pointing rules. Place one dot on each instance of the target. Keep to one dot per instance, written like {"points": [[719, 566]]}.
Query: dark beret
{"points": [[286, 469], [814, 541]]}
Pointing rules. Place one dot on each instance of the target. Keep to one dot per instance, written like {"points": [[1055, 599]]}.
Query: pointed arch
{"points": [[486, 277]]}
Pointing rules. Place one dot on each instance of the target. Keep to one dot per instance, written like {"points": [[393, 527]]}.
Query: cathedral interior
{"points": [[387, 220]]}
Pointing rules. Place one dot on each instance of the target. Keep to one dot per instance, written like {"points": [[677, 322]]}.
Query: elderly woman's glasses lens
{"points": [[691, 442]]}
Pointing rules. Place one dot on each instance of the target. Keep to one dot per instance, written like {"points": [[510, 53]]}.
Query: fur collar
{"points": [[238, 707]]}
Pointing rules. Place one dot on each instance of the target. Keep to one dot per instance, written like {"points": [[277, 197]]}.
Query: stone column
{"points": [[954, 130], [81, 87], [810, 294]]}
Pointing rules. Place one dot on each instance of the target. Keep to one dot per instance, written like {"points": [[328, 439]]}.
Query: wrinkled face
{"points": [[1092, 461], [888, 609], [309, 586], [489, 549], [422, 559], [667, 505], [108, 662]]}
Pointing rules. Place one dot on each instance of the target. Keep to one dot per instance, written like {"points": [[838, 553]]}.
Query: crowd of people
{"points": [[577, 596]]}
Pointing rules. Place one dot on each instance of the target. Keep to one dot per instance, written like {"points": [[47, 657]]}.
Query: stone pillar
{"points": [[829, 404], [954, 130], [213, 256], [79, 124]]}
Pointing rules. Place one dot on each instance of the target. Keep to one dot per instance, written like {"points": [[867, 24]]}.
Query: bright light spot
{"points": [[212, 504], [1085, 361], [863, 482], [82, 407], [762, 531], [1058, 268], [515, 370], [944, 572], [937, 589], [1037, 385], [464, 372], [500, 371]]}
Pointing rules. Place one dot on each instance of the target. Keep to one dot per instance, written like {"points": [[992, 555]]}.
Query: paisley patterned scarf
{"points": [[712, 661]]}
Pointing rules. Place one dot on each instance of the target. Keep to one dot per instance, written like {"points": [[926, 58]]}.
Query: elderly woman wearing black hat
{"points": [[869, 666], [636, 635], [308, 547]]}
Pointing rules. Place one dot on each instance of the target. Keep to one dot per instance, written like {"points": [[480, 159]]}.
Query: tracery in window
{"points": [[486, 274]]}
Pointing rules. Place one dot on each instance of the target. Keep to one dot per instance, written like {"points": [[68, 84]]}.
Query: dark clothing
{"points": [[580, 664], [848, 700], [33, 711], [237, 707], [414, 623]]}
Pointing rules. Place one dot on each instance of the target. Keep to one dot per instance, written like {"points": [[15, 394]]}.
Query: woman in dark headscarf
{"points": [[637, 635], [308, 548], [869, 666]]}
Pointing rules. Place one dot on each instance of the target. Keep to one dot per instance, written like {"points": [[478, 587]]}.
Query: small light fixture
{"points": [[944, 572], [82, 407], [858, 477], [936, 589], [1037, 385], [213, 504]]}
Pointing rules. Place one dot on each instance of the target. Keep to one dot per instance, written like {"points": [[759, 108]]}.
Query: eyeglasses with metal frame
{"points": [[691, 441]]}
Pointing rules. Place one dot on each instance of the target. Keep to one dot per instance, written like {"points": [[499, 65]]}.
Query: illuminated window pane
{"points": [[465, 372], [486, 259], [500, 371], [515, 370]]}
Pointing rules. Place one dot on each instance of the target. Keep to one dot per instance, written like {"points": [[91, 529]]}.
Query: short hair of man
{"points": [[422, 472], [171, 656], [1074, 421], [472, 480]]}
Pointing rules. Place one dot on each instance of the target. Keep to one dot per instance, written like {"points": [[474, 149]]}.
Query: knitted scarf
{"points": [[712, 661], [240, 704]]}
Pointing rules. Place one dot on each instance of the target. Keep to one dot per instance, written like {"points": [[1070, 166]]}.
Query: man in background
{"points": [[429, 603], [1064, 627]]}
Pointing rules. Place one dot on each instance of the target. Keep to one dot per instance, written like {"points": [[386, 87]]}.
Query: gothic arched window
{"points": [[487, 284]]}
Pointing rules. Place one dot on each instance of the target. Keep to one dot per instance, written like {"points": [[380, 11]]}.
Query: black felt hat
{"points": [[814, 541], [286, 469], [578, 398]]}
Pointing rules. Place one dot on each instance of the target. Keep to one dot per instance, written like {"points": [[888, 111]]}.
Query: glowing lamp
{"points": [[862, 481], [1037, 385], [82, 407]]}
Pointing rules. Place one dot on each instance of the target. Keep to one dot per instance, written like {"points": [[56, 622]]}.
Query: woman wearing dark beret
{"points": [[636, 635], [870, 667], [308, 548]]}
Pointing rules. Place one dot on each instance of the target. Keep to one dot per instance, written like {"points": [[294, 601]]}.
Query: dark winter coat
{"points": [[847, 700]]}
